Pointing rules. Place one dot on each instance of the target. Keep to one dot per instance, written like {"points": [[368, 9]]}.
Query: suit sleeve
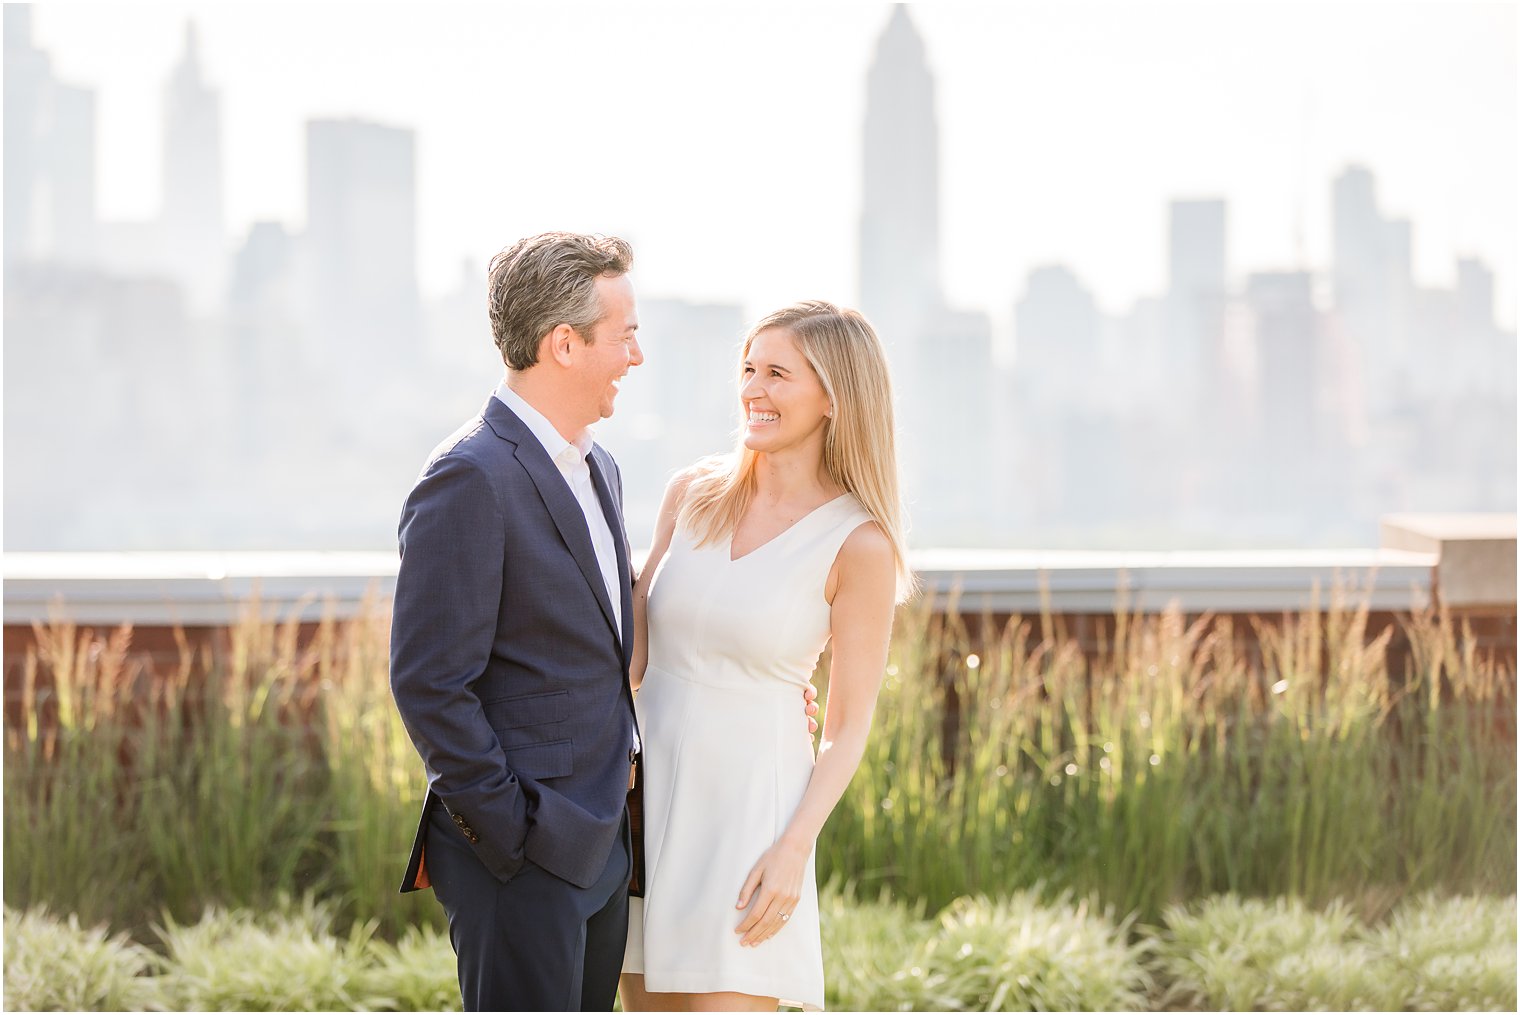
{"points": [[448, 594]]}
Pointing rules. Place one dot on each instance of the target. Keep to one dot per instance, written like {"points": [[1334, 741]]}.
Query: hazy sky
{"points": [[723, 139]]}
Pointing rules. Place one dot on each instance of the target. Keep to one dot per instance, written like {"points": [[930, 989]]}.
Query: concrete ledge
{"points": [[1225, 582], [1476, 554], [191, 589], [195, 589]]}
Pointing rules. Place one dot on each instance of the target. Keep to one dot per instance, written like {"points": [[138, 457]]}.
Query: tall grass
{"points": [[1171, 765], [231, 796], [72, 835], [271, 764], [376, 783]]}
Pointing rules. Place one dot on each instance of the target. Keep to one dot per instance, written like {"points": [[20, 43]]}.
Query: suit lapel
{"points": [[564, 509], [619, 540]]}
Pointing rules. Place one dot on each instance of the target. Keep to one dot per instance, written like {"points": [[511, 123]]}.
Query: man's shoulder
{"points": [[472, 442]]}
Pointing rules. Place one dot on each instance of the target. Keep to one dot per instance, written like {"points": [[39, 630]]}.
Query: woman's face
{"points": [[785, 405]]}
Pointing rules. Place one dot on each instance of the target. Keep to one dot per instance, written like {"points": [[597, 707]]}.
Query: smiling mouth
{"points": [[757, 418]]}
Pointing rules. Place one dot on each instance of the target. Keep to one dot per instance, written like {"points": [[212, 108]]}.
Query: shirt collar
{"points": [[554, 443]]}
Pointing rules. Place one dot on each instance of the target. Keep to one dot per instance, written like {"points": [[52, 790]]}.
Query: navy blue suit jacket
{"points": [[506, 666]]}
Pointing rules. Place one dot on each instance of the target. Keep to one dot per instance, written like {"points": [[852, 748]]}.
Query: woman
{"points": [[759, 560]]}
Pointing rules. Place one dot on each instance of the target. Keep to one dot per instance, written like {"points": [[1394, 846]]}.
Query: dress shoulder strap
{"points": [[848, 515]]}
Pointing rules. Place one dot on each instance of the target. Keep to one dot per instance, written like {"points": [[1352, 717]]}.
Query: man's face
{"points": [[613, 347]]}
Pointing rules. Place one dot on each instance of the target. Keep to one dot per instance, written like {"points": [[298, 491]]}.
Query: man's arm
{"points": [[448, 594]]}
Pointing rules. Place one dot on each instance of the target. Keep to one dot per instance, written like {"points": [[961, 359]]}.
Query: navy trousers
{"points": [[536, 943]]}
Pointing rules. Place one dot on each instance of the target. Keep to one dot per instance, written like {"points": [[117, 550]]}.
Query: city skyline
{"points": [[283, 393], [1114, 241]]}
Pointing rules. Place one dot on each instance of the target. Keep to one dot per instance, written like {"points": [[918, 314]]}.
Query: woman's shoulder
{"points": [[692, 478], [867, 540], [866, 543], [865, 559]]}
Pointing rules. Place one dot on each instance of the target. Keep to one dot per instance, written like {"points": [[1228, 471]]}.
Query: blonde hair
{"points": [[859, 440]]}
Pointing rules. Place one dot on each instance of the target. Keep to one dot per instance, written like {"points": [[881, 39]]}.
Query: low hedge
{"points": [[1012, 954]]}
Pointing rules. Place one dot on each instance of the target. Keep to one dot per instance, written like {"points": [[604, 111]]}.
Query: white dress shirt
{"points": [[570, 458]]}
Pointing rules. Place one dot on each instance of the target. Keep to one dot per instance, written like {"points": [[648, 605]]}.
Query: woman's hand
{"points": [[774, 885], [810, 707]]}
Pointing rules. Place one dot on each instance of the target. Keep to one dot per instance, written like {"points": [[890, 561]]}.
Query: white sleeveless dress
{"points": [[727, 755]]}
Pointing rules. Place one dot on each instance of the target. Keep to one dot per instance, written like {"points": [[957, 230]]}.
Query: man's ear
{"points": [[557, 344]]}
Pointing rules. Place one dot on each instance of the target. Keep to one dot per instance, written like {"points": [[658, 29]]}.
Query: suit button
{"points": [[473, 838], [458, 820]]}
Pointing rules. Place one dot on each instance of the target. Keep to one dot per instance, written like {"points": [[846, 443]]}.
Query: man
{"points": [[511, 635]]}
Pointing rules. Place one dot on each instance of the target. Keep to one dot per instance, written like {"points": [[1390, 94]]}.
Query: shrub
{"points": [[865, 945], [1222, 951], [288, 960], [979, 955], [1454, 954], [416, 973], [1020, 954], [54, 965], [1015, 954]]}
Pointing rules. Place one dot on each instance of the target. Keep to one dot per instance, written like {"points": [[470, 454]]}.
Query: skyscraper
{"points": [[1195, 299], [361, 239], [49, 156], [1056, 326], [899, 219], [1475, 296], [193, 230], [1196, 248], [1372, 287], [940, 358], [1289, 369]]}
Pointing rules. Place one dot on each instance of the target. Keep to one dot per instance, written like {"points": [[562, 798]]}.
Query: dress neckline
{"points": [[734, 560]]}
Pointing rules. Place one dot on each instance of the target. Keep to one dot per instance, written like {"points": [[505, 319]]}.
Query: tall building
{"points": [[1475, 296], [1196, 261], [941, 358], [193, 229], [1056, 325], [49, 156], [899, 218], [1372, 287], [1289, 371], [1195, 300], [361, 240]]}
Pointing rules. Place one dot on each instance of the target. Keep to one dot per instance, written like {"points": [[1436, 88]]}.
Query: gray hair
{"points": [[543, 281]]}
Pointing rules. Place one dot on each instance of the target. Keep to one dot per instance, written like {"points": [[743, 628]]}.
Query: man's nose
{"points": [[635, 353]]}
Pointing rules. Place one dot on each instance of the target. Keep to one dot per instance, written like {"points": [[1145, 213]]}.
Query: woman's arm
{"points": [[863, 583], [664, 530]]}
